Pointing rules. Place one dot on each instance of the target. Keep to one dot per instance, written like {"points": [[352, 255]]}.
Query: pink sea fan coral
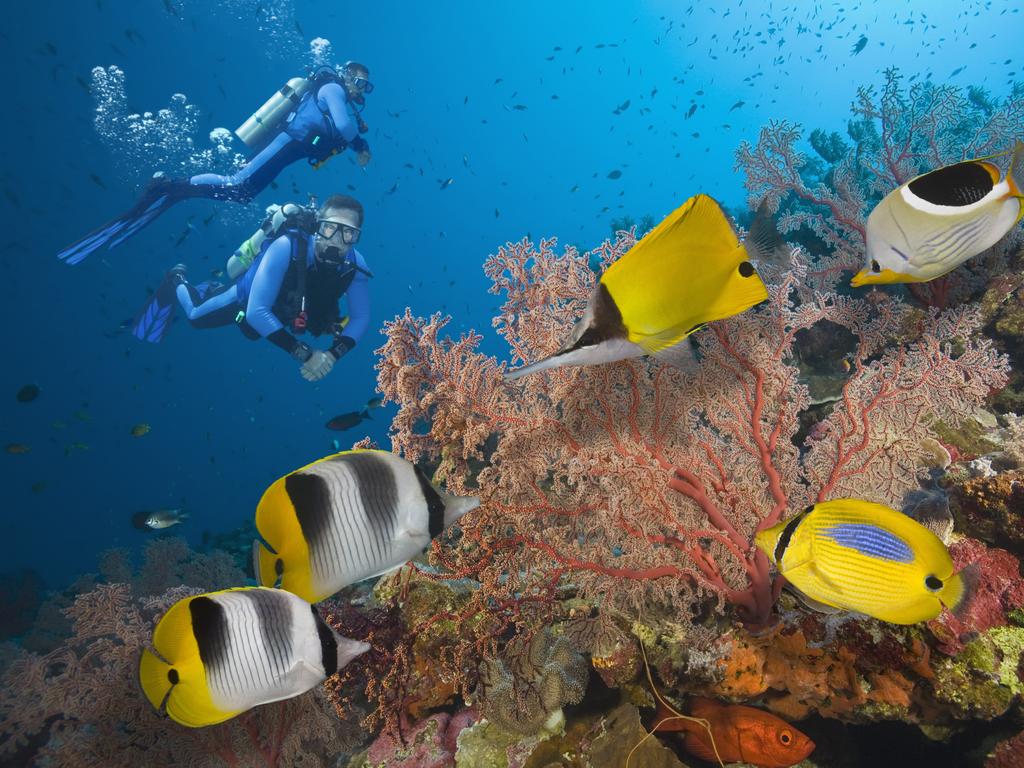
{"points": [[636, 484]]}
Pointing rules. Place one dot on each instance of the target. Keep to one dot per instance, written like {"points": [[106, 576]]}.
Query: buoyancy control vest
{"points": [[310, 292]]}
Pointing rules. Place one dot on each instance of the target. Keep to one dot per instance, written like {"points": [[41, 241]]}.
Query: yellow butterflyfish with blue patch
{"points": [[689, 270], [937, 221], [217, 655], [865, 557]]}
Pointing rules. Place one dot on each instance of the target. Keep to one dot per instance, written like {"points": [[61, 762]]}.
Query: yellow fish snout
{"points": [[861, 278]]}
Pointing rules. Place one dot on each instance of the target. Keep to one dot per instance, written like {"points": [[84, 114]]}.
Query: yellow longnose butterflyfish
{"points": [[689, 270]]}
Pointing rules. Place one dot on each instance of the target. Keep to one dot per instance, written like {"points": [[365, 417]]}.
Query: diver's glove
{"points": [[317, 366]]}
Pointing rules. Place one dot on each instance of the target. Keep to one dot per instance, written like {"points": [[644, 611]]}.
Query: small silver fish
{"points": [[157, 520]]}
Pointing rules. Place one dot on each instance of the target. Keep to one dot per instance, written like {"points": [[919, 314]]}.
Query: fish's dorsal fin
{"points": [[763, 240], [953, 186]]}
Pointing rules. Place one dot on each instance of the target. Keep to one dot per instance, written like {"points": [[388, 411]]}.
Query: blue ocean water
{"points": [[229, 416]]}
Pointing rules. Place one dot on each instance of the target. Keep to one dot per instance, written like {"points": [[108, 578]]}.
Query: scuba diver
{"points": [[313, 117], [303, 262]]}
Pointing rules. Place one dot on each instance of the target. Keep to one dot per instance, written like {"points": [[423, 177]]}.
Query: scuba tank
{"points": [[265, 122], [279, 218]]}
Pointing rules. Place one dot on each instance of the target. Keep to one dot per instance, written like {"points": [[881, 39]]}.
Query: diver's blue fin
{"points": [[152, 323], [160, 195]]}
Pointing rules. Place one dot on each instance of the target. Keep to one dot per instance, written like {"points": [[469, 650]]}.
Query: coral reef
{"points": [[998, 591], [431, 744], [639, 487], [531, 682], [855, 671], [992, 509], [1007, 754], [984, 679]]}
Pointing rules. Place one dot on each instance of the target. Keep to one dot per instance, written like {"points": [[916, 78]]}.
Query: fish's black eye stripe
{"points": [[787, 534], [607, 322], [209, 626]]}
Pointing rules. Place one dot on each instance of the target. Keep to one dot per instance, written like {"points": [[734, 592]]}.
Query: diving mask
{"points": [[327, 229]]}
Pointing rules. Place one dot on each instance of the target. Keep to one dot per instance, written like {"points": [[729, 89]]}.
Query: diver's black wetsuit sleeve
{"points": [[290, 344], [358, 297]]}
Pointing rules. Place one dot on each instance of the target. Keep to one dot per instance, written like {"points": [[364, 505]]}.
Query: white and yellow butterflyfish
{"points": [[348, 517], [217, 655], [690, 270], [937, 221]]}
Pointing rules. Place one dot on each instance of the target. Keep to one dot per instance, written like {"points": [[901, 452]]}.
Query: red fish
{"points": [[742, 734]]}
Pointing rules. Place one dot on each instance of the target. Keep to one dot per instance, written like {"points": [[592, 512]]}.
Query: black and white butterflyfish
{"points": [[217, 655], [690, 270], [935, 222], [348, 517]]}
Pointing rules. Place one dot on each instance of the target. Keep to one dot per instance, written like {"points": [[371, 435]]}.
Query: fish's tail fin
{"points": [[959, 589], [456, 506], [366, 414]]}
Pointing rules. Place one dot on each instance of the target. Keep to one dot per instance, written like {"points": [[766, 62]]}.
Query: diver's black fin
{"points": [[152, 323], [158, 196]]}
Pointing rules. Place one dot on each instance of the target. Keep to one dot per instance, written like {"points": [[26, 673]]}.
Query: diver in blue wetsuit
{"points": [[294, 284], [313, 118]]}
